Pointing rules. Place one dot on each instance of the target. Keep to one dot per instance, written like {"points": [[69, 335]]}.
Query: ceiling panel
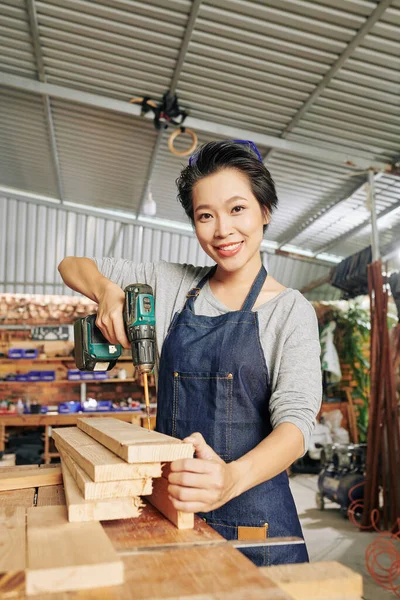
{"points": [[104, 156], [25, 159], [16, 52]]}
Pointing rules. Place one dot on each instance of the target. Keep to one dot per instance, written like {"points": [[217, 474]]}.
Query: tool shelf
{"points": [[69, 382], [49, 360]]}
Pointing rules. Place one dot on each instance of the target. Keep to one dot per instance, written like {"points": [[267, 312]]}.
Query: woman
{"points": [[239, 373]]}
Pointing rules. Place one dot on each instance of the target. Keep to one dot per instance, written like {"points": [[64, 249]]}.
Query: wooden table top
{"points": [[193, 570]]}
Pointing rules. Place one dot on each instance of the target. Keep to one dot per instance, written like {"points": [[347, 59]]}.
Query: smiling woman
{"points": [[239, 372]]}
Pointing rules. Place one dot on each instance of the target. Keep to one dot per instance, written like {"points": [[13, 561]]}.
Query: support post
{"points": [[374, 223]]}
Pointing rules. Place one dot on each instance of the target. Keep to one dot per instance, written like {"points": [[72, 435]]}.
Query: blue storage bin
{"points": [[22, 377], [87, 375], [69, 407], [100, 375], [74, 375], [16, 353], [34, 376], [104, 405], [47, 375], [30, 352], [11, 377]]}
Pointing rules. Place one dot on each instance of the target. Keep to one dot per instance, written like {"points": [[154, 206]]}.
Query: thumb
{"points": [[202, 449]]}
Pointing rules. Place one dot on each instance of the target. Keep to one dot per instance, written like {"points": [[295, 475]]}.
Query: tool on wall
{"points": [[94, 353], [168, 112]]}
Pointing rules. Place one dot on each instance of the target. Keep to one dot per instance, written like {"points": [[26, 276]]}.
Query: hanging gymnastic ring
{"points": [[175, 134], [140, 101]]}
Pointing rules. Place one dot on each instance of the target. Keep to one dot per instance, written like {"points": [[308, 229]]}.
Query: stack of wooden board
{"points": [[108, 465], [43, 552]]}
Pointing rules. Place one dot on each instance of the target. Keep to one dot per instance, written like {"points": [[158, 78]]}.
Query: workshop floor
{"points": [[331, 537]]}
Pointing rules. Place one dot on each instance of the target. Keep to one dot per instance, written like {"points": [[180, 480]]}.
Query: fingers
{"points": [[191, 465], [202, 449], [188, 494], [119, 330], [190, 507], [191, 480], [112, 327]]}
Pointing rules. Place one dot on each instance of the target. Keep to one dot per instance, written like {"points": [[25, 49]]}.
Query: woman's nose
{"points": [[223, 228]]}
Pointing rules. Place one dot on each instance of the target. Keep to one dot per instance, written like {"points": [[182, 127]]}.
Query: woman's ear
{"points": [[266, 216]]}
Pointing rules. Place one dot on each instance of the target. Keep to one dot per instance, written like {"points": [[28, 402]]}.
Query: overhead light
{"points": [[149, 207]]}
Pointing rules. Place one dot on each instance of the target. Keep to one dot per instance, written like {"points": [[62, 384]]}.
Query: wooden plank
{"points": [[316, 581], [135, 444], [52, 495], [160, 500], [65, 556], [29, 478], [153, 529], [12, 551], [12, 536], [198, 573], [100, 463], [80, 509], [110, 489], [22, 498]]}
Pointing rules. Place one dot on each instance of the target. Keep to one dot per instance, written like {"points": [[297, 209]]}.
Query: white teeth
{"points": [[231, 247]]}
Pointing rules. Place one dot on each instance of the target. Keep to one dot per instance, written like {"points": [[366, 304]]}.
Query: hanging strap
{"points": [[255, 290]]}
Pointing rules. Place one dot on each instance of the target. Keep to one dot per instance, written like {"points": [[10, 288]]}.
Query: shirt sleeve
{"points": [[124, 272], [297, 393]]}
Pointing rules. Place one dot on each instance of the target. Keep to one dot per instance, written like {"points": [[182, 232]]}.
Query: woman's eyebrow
{"points": [[207, 206]]}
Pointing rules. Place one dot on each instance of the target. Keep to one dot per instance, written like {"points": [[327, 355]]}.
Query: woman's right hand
{"points": [[110, 314]]}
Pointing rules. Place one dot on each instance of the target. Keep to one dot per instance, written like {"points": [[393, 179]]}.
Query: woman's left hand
{"points": [[203, 483]]}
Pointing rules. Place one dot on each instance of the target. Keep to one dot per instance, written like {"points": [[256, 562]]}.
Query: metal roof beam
{"points": [[172, 88], [34, 29], [345, 236], [326, 205], [360, 160], [337, 65]]}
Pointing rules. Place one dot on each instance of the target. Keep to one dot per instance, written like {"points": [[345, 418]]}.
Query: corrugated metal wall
{"points": [[34, 239]]}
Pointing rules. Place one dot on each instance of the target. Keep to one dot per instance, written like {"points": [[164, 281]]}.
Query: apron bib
{"points": [[213, 378]]}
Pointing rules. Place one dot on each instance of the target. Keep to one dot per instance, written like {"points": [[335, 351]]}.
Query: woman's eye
{"points": [[237, 209], [205, 217]]}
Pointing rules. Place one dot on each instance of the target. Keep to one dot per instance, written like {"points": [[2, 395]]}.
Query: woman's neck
{"points": [[243, 277]]}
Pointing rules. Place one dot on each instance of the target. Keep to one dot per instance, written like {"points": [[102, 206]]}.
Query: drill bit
{"points": [[146, 399]]}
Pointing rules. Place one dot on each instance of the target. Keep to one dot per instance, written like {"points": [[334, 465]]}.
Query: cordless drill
{"points": [[94, 353]]}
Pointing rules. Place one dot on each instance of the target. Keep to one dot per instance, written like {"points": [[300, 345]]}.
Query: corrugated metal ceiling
{"points": [[324, 73]]}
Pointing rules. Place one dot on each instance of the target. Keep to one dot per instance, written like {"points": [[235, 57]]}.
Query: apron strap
{"points": [[255, 289], [194, 292], [251, 296]]}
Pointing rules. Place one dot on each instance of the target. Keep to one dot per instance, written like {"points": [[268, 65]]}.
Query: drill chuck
{"points": [[142, 338]]}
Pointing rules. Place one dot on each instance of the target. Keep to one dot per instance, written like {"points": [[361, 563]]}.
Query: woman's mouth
{"points": [[229, 249]]}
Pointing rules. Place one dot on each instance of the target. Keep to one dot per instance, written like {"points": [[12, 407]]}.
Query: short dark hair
{"points": [[216, 156]]}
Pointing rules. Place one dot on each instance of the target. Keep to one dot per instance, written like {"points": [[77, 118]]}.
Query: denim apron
{"points": [[213, 378]]}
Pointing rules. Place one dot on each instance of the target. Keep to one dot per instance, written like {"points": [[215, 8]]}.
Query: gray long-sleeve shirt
{"points": [[288, 333]]}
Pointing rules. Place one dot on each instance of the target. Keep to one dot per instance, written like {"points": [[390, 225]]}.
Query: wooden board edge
{"points": [[31, 478], [159, 499], [97, 510]]}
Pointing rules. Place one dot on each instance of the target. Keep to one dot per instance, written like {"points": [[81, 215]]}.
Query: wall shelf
{"points": [[14, 361], [68, 382]]}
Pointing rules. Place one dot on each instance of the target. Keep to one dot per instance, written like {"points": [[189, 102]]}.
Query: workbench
{"points": [[56, 420], [200, 565]]}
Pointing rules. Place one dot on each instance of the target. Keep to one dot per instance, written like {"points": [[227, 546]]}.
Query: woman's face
{"points": [[228, 219]]}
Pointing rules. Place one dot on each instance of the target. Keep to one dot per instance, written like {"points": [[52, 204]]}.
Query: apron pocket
{"points": [[203, 401]]}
